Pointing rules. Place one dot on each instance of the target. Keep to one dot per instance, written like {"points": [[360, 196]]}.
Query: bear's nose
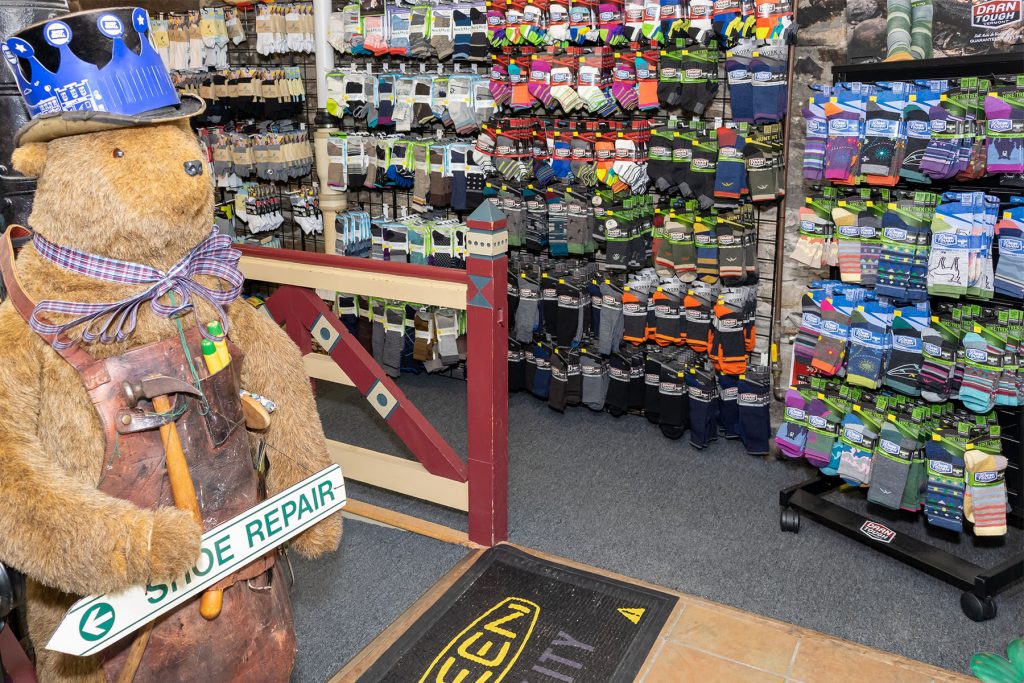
{"points": [[194, 168]]}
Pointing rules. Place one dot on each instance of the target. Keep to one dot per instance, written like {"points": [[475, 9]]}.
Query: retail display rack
{"points": [[979, 584]]}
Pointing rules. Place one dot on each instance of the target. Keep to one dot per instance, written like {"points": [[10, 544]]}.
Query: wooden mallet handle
{"points": [[184, 493]]}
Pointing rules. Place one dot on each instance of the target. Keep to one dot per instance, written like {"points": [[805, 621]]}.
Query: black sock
{"points": [[652, 388], [516, 365], [559, 381]]}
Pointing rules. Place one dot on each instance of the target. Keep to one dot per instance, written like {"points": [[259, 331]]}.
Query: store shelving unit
{"points": [[979, 584]]}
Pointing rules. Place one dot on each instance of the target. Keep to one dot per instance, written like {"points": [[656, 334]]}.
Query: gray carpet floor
{"points": [[616, 494], [341, 602]]}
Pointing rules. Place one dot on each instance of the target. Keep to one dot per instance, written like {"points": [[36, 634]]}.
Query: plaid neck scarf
{"points": [[115, 321]]}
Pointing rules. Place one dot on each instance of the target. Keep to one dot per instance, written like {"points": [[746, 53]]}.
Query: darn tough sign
{"points": [[995, 13], [95, 622]]}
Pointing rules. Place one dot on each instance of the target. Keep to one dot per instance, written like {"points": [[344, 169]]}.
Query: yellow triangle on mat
{"points": [[632, 613]]}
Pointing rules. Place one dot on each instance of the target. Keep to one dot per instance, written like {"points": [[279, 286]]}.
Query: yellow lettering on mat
{"points": [[501, 632]]}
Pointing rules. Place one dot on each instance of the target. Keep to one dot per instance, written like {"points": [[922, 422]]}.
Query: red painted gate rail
{"points": [[306, 316]]}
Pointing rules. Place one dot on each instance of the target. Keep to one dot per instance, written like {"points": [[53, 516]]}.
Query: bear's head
{"points": [[141, 194]]}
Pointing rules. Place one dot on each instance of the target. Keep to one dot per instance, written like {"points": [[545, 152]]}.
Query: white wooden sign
{"points": [[95, 622]]}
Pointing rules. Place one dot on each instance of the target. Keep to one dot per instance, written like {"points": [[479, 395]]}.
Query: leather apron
{"points": [[253, 639]]}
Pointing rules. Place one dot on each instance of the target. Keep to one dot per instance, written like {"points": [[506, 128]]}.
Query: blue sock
{"points": [[543, 172], [752, 405], [944, 490], [869, 340], [727, 26], [741, 88], [731, 169], [856, 455], [560, 159], [463, 34], [728, 408], [703, 396], [906, 356]]}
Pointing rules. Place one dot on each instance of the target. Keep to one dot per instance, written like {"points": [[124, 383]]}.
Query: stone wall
{"points": [[822, 42]]}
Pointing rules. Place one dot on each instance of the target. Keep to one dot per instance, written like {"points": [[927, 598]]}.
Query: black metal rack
{"points": [[979, 584]]}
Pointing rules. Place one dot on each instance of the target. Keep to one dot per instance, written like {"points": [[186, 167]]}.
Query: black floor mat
{"points": [[521, 618]]}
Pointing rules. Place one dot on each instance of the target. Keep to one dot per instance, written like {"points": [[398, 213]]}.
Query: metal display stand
{"points": [[979, 584]]}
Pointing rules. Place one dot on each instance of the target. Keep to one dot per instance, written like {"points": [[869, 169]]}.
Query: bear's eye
{"points": [[118, 153]]}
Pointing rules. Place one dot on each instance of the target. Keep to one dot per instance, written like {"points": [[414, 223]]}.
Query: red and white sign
{"points": [[994, 14], [878, 532]]}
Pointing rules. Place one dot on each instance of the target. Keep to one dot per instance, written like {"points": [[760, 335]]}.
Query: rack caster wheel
{"points": [[789, 520], [672, 432], [977, 609], [616, 412]]}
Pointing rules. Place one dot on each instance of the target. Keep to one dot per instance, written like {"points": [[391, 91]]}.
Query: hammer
{"points": [[158, 388]]}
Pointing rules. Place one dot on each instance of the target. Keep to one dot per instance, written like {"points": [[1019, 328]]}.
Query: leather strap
{"points": [[74, 354], [248, 572]]}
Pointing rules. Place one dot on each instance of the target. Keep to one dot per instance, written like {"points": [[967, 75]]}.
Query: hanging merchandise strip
{"points": [[455, 32], [284, 28], [264, 150], [393, 101], [266, 92], [198, 39], [908, 378], [265, 102], [635, 219], [920, 132]]}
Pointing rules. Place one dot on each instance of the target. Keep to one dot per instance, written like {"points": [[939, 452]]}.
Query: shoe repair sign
{"points": [[95, 622]]}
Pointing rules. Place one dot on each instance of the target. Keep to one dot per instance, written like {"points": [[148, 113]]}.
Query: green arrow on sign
{"points": [[97, 621]]}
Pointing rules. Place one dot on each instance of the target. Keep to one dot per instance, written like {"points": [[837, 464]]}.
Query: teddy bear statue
{"points": [[119, 444]]}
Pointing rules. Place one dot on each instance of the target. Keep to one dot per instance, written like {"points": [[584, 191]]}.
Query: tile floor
{"points": [[707, 642]]}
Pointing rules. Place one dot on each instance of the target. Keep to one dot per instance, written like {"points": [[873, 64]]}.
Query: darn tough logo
{"points": [[487, 649], [840, 125], [1000, 125], [995, 14], [917, 127], [877, 531]]}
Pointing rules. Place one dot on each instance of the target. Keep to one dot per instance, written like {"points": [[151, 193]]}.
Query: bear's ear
{"points": [[30, 159]]}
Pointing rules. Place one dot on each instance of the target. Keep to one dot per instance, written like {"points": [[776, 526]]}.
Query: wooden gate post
{"points": [[487, 374]]}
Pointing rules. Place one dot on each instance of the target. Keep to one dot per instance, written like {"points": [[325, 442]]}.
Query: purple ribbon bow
{"points": [[109, 322]]}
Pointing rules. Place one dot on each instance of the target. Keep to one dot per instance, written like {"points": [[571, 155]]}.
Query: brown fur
{"points": [[70, 539]]}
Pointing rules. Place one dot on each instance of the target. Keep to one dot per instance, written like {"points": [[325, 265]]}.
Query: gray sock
{"points": [[441, 33], [595, 382], [394, 339], [527, 314], [446, 322], [610, 333], [891, 467], [377, 344], [421, 177]]}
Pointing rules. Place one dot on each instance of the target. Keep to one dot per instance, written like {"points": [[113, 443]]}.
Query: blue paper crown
{"points": [[129, 83]]}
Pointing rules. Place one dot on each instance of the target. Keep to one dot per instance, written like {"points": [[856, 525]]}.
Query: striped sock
{"points": [[897, 28], [985, 500], [921, 29]]}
